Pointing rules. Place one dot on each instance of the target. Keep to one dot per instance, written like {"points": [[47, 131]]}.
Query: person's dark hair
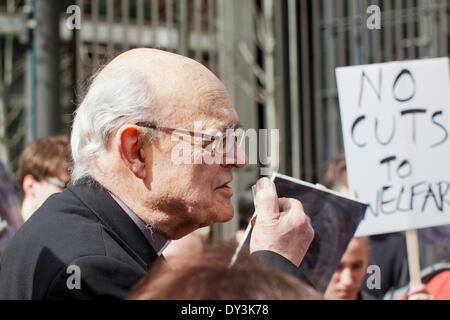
{"points": [[246, 207], [45, 158], [336, 175], [209, 277]]}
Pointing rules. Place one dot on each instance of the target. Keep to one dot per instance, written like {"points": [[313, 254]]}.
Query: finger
{"points": [[292, 205], [267, 200], [253, 222]]}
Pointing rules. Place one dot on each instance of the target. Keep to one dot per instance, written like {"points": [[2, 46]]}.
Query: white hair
{"points": [[116, 97]]}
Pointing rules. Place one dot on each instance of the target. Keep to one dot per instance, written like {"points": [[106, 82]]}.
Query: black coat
{"points": [[85, 227]]}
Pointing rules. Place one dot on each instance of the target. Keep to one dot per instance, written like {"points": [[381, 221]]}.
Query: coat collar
{"points": [[98, 200]]}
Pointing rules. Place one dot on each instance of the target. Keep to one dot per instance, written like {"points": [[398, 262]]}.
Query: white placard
{"points": [[396, 126]]}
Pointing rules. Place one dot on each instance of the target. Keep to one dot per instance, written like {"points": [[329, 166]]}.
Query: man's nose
{"points": [[237, 158], [347, 277]]}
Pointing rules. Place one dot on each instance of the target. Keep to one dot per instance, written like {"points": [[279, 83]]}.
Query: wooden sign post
{"points": [[412, 245]]}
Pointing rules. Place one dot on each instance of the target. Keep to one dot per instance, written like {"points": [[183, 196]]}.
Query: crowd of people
{"points": [[110, 202]]}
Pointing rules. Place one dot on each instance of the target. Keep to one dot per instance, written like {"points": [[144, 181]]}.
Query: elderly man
{"points": [[130, 195]]}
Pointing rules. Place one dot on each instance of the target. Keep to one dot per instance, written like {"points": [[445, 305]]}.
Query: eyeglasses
{"points": [[57, 182], [220, 143]]}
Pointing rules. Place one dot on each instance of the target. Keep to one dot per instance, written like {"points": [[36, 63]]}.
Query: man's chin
{"points": [[224, 215]]}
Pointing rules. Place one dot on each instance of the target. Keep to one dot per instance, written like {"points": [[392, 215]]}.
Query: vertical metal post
{"points": [[445, 12], [140, 19], [95, 49], [125, 24], [212, 34], [155, 21], [318, 88], [198, 29], [411, 21], [31, 78], [331, 105], [399, 39], [376, 41], [77, 66], [387, 29], [183, 27], [110, 16], [294, 89], [306, 124], [170, 25], [47, 68]]}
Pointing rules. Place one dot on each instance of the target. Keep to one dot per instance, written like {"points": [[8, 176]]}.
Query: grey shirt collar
{"points": [[154, 238]]}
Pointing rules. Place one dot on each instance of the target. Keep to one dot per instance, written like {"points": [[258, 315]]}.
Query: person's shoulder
{"points": [[61, 225], [439, 285]]}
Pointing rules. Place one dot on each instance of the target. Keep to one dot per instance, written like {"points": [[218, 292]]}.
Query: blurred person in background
{"points": [[347, 280], [388, 251], [208, 277], [44, 169], [10, 218]]}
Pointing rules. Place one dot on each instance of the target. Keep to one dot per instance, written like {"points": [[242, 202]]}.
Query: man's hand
{"points": [[419, 293], [281, 225]]}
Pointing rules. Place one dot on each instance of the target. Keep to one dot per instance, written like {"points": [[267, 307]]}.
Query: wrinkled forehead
{"points": [[205, 103]]}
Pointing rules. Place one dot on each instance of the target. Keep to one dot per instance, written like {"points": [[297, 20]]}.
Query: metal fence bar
{"points": [[365, 44], [95, 47], [125, 22], [296, 135], [140, 9], [110, 20], [197, 27], [340, 45], [376, 40], [212, 34], [183, 27], [423, 29], [331, 106], [155, 21], [352, 33], [340, 60], [411, 32], [79, 57], [445, 10], [433, 31], [400, 52], [318, 84], [306, 96], [170, 22], [387, 29]]}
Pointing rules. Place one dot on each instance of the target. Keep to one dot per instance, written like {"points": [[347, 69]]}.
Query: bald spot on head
{"points": [[182, 88]]}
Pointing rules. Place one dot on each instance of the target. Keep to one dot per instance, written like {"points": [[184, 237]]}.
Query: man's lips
{"points": [[226, 187]]}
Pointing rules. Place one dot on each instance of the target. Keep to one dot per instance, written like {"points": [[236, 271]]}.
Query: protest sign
{"points": [[396, 122], [334, 219]]}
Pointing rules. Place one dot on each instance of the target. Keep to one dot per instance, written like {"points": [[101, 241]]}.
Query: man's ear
{"points": [[28, 184], [131, 152]]}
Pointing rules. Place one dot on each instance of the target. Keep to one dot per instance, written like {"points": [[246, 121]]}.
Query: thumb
{"points": [[267, 200]]}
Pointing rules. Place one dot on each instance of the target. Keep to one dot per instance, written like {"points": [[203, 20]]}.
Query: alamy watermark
{"points": [[374, 20], [74, 280], [74, 20], [374, 280], [227, 148]]}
